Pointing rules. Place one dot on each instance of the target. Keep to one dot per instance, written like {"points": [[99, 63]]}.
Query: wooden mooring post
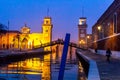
{"points": [[64, 56]]}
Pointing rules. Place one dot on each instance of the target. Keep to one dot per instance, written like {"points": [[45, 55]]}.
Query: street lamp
{"points": [[99, 32], [88, 37], [99, 28]]}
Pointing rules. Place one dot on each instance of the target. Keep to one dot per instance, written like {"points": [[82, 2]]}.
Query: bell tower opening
{"points": [[47, 26], [82, 21]]}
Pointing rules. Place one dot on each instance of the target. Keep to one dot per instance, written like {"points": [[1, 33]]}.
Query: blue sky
{"points": [[64, 13]]}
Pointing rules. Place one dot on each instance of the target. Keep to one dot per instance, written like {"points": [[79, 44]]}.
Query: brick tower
{"points": [[82, 32]]}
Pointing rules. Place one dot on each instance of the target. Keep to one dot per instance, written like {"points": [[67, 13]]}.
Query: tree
{"points": [[3, 28]]}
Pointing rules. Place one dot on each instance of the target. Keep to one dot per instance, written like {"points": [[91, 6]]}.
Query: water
{"points": [[43, 67]]}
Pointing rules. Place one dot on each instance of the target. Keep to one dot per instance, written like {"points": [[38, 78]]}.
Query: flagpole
{"points": [[47, 12]]}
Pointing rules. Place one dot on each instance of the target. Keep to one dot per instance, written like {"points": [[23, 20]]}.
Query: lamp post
{"points": [[8, 37], [88, 37]]}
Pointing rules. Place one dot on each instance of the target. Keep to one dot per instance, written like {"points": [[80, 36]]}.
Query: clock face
{"points": [[82, 31]]}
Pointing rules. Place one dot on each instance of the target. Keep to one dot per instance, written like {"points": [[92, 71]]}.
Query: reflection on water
{"points": [[44, 67], [73, 68], [81, 74], [31, 69]]}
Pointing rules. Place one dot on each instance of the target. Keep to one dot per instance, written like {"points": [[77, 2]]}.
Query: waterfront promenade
{"points": [[107, 71]]}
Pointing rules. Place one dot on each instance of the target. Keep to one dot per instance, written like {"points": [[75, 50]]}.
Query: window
{"points": [[115, 22], [83, 22], [3, 46], [46, 30], [46, 22], [82, 35], [82, 31]]}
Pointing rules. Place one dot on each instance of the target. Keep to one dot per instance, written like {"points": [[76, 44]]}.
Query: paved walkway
{"points": [[107, 71]]}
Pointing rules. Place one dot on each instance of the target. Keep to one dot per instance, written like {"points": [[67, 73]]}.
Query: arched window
{"points": [[115, 22]]}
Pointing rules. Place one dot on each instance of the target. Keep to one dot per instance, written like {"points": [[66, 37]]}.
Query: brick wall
{"points": [[109, 38], [113, 43]]}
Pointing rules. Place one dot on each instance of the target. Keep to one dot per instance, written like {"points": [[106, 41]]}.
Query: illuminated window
{"points": [[82, 42], [82, 21]]}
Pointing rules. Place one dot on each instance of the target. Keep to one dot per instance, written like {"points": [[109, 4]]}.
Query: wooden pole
{"points": [[64, 56]]}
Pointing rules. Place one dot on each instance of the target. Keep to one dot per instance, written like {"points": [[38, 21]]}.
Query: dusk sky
{"points": [[64, 13]]}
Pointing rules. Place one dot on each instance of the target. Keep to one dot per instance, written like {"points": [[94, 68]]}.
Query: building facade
{"points": [[89, 40], [23, 39], [106, 31]]}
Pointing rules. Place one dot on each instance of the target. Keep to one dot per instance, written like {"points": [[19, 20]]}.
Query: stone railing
{"points": [[89, 65]]}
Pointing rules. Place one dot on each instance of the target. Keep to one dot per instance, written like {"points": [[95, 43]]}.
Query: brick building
{"points": [[106, 31], [84, 39], [82, 32]]}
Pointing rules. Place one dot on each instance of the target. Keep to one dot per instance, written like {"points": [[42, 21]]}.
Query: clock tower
{"points": [[82, 32], [47, 31]]}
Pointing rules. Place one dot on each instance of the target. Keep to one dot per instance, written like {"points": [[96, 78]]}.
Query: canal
{"points": [[43, 67]]}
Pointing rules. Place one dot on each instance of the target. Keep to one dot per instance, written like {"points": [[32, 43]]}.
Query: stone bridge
{"points": [[59, 41]]}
